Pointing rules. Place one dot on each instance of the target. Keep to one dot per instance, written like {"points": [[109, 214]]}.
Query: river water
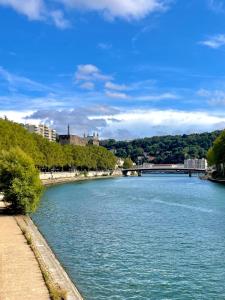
{"points": [[152, 237]]}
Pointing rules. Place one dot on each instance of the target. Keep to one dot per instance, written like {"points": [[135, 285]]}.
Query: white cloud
{"points": [[116, 87], [125, 9], [216, 6], [59, 19], [14, 81], [90, 73], [115, 95], [46, 11], [87, 85], [126, 124], [214, 97], [104, 46], [164, 96], [33, 9], [37, 10], [16, 116], [142, 123], [215, 41]]}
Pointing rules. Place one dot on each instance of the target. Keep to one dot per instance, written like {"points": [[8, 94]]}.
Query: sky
{"points": [[126, 69]]}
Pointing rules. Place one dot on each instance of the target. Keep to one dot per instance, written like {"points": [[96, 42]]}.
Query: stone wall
{"points": [[70, 175]]}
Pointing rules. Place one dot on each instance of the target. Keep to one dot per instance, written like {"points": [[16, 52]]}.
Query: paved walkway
{"points": [[20, 276]]}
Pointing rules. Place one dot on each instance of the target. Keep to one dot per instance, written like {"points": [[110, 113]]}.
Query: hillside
{"points": [[163, 149]]}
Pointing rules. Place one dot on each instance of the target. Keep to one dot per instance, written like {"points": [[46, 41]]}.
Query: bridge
{"points": [[163, 169]]}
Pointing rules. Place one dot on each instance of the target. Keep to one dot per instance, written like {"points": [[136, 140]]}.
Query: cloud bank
{"points": [[121, 124]]}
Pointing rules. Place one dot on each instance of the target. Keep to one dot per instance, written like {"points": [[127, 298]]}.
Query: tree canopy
{"points": [[51, 155], [216, 154]]}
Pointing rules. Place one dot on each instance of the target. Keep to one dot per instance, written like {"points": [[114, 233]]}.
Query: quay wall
{"points": [[50, 178], [47, 258]]}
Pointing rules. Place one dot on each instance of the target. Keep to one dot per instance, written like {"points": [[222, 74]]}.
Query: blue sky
{"points": [[126, 69]]}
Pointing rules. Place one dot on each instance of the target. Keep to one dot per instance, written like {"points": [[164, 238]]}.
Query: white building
{"points": [[196, 163], [43, 130]]}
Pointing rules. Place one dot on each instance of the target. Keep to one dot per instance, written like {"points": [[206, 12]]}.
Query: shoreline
{"points": [[58, 181], [47, 259], [216, 180]]}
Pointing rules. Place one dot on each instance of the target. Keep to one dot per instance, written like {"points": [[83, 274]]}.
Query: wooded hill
{"points": [[48, 155], [164, 149]]}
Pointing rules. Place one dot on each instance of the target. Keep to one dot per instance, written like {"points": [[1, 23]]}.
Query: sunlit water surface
{"points": [[154, 237]]}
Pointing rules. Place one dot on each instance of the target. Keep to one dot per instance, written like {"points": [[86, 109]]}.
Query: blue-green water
{"points": [[154, 237]]}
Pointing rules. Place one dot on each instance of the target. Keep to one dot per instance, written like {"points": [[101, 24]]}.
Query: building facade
{"points": [[71, 139], [43, 130], [196, 163]]}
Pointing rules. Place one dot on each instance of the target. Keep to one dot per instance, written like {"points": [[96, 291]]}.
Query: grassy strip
{"points": [[55, 291]]}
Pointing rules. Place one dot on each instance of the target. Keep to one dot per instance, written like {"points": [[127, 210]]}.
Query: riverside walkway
{"points": [[20, 275]]}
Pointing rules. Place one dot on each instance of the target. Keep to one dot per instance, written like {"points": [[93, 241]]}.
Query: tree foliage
{"points": [[20, 180], [164, 149], [127, 163], [51, 155], [216, 154]]}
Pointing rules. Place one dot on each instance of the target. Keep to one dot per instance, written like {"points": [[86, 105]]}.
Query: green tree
{"points": [[216, 154], [19, 180], [128, 163]]}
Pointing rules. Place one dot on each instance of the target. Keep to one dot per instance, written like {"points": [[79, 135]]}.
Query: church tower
{"points": [[68, 130]]}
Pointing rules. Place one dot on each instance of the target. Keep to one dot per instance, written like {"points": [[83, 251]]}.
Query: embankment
{"points": [[51, 178], [47, 260]]}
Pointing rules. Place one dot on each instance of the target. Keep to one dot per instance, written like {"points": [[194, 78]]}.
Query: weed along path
{"points": [[20, 275]]}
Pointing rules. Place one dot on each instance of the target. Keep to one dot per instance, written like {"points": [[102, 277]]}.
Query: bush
{"points": [[19, 180]]}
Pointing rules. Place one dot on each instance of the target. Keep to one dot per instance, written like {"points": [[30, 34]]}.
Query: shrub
{"points": [[19, 180]]}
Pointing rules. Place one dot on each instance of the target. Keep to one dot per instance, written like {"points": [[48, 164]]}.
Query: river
{"points": [[154, 237]]}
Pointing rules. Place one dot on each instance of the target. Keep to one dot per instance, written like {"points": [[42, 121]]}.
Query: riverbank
{"points": [[217, 180], [28, 267], [49, 179]]}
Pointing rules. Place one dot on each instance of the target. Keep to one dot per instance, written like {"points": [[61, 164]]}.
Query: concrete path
{"points": [[49, 260], [20, 275]]}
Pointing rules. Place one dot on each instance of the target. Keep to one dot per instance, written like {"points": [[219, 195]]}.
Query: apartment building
{"points": [[43, 130], [196, 163]]}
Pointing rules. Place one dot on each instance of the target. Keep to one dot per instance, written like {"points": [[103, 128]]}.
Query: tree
{"points": [[19, 180], [128, 163], [49, 155], [216, 154]]}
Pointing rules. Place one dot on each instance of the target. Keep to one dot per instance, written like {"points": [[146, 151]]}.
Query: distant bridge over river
{"points": [[163, 169]]}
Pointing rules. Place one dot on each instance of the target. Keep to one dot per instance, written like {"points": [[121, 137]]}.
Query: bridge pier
{"points": [[139, 173], [190, 174]]}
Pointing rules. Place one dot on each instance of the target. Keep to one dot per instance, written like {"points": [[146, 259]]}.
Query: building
{"points": [[71, 139], [196, 163], [43, 130], [119, 163], [92, 139]]}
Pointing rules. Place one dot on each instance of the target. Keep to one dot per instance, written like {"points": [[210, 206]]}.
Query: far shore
{"points": [[57, 181]]}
